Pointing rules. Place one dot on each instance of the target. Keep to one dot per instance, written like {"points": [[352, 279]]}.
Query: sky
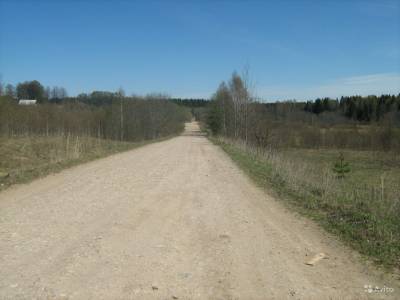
{"points": [[292, 49]]}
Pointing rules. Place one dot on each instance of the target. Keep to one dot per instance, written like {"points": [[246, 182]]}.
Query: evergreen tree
{"points": [[341, 167]]}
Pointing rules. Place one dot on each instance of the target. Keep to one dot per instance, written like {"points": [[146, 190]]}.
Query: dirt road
{"points": [[171, 220]]}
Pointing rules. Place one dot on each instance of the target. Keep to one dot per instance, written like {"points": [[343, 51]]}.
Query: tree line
{"points": [[33, 90], [364, 109], [100, 114], [353, 122]]}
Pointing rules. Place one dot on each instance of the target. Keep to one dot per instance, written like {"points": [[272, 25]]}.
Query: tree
{"points": [[318, 106], [215, 117], [241, 99], [10, 90], [31, 90], [47, 93], [224, 100], [54, 92], [121, 94], [58, 93], [228, 112], [341, 167], [62, 93]]}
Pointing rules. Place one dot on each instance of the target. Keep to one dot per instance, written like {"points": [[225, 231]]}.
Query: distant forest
{"points": [[107, 115], [370, 108], [352, 108], [356, 108], [354, 122]]}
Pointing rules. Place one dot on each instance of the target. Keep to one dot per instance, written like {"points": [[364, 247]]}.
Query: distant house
{"points": [[26, 102]]}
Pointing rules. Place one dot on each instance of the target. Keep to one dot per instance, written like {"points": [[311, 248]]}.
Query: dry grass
{"points": [[25, 158]]}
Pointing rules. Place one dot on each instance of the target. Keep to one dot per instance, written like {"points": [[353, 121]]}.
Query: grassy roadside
{"points": [[23, 159], [362, 215]]}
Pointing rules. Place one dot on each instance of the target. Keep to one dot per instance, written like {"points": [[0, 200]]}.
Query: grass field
{"points": [[25, 158], [363, 209]]}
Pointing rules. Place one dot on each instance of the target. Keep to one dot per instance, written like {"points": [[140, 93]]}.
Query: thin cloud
{"points": [[372, 84]]}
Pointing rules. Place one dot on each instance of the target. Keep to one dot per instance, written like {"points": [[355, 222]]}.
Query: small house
{"points": [[26, 102]]}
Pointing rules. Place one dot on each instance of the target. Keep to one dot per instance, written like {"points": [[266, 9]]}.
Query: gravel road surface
{"points": [[170, 220]]}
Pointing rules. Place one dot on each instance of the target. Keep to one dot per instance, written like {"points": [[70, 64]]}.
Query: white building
{"points": [[26, 102]]}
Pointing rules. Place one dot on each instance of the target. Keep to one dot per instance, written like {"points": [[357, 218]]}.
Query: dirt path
{"points": [[171, 220]]}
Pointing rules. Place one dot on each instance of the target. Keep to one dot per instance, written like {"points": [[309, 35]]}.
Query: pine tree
{"points": [[341, 167]]}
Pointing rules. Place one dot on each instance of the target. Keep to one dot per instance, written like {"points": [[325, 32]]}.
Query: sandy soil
{"points": [[171, 220]]}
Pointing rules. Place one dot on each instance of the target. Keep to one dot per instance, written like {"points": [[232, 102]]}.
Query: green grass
{"points": [[23, 159], [363, 209]]}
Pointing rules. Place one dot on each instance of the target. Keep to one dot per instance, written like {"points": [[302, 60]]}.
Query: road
{"points": [[171, 220]]}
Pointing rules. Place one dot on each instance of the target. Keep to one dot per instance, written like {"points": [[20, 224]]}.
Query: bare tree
{"points": [[10, 90], [241, 100], [121, 94], [47, 92], [62, 93], [57, 92], [247, 98], [224, 98]]}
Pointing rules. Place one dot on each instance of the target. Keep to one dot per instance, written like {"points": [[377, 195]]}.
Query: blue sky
{"points": [[293, 49]]}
